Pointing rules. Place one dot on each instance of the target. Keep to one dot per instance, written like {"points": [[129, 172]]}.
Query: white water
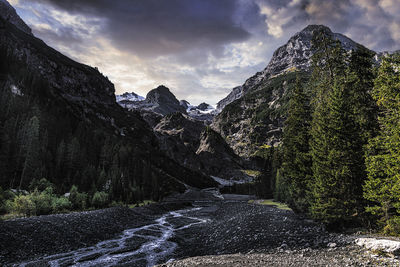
{"points": [[154, 247]]}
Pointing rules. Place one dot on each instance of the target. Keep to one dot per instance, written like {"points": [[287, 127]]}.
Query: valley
{"points": [[198, 224], [297, 166]]}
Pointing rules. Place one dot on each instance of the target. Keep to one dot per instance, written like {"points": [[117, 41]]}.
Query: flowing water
{"points": [[142, 246]]}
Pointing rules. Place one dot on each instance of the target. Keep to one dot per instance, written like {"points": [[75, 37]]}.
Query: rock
{"points": [[253, 114], [162, 101], [380, 245], [8, 13], [331, 245]]}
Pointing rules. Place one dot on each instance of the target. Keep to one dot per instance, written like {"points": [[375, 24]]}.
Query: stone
{"points": [[380, 245]]}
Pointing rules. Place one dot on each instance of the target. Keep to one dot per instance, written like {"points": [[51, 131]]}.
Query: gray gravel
{"points": [[241, 234]]}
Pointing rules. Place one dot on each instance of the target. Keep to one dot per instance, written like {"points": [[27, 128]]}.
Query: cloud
{"points": [[373, 23], [156, 27], [201, 49]]}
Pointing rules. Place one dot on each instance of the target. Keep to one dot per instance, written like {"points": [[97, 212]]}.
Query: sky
{"points": [[200, 49]]}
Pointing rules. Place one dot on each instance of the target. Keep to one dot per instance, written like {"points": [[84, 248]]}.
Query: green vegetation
{"points": [[340, 153], [143, 203], [383, 154], [44, 136], [271, 202], [252, 173], [42, 201], [295, 176]]}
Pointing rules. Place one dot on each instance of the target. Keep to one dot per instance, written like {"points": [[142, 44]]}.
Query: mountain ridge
{"points": [[294, 55]]}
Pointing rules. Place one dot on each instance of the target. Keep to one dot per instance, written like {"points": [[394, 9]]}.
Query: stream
{"points": [[142, 246]]}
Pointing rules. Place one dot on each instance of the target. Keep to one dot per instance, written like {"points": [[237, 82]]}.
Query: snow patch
{"points": [[129, 97]]}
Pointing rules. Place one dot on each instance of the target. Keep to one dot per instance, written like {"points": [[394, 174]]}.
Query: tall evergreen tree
{"points": [[335, 161], [339, 132], [31, 164], [297, 162], [383, 184]]}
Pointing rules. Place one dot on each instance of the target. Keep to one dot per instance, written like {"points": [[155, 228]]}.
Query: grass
{"points": [[252, 173], [271, 202], [141, 204], [10, 216]]}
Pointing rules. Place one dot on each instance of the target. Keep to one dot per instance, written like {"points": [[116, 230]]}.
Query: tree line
{"points": [[44, 137], [340, 154]]}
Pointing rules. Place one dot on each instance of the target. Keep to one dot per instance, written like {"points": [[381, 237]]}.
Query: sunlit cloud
{"points": [[200, 49]]}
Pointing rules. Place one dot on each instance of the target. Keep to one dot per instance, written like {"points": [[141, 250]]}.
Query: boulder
{"points": [[385, 246]]}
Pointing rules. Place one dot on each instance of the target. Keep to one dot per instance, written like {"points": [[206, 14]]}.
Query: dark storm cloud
{"points": [[159, 27], [373, 23], [201, 49]]}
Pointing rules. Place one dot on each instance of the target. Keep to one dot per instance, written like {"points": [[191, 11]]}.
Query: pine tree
{"points": [[335, 158], [339, 132], [383, 156], [296, 157], [31, 164]]}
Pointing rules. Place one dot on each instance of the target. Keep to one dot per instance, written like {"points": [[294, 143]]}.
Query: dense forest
{"points": [[339, 157], [49, 147]]}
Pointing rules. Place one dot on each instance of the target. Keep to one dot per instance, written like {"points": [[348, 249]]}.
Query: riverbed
{"points": [[213, 227]]}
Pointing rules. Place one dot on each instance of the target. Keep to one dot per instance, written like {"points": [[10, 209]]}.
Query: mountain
{"points": [[197, 147], [60, 119], [295, 55], [253, 114], [159, 100], [128, 100], [203, 112], [162, 102], [8, 13]]}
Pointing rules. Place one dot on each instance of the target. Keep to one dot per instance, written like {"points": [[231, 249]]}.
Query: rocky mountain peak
{"points": [[294, 55], [159, 94], [162, 101], [8, 13], [204, 106]]}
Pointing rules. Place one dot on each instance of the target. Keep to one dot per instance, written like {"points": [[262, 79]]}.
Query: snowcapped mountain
{"points": [[204, 112], [129, 100], [129, 97], [161, 101]]}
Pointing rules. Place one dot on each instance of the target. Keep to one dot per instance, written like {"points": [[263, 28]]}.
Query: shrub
{"points": [[24, 205], [2, 202], [41, 185], [100, 200], [43, 201], [9, 195], [77, 199], [61, 204], [392, 227]]}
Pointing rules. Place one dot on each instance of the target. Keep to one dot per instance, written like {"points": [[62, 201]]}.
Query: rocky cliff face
{"points": [[162, 101], [195, 146], [8, 13], [253, 114], [83, 97], [295, 55]]}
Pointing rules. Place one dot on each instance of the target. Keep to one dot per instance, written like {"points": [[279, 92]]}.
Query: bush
{"points": [[43, 201], [2, 202], [23, 205], [77, 199], [61, 204], [100, 200], [392, 227], [41, 185]]}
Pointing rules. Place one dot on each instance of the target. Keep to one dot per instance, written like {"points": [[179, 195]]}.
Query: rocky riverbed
{"points": [[233, 231]]}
